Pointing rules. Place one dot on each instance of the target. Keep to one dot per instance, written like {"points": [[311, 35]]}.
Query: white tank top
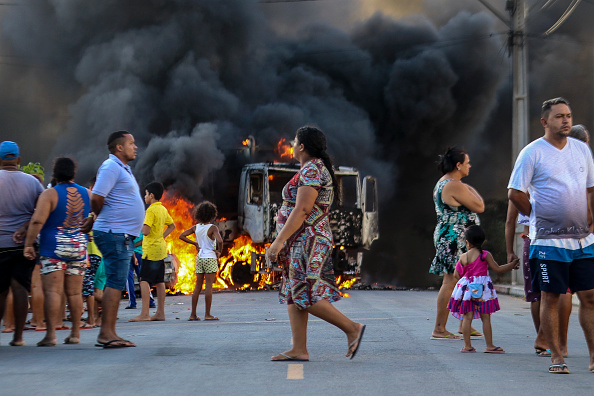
{"points": [[207, 245]]}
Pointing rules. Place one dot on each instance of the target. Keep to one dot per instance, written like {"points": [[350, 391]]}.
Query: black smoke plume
{"points": [[192, 78]]}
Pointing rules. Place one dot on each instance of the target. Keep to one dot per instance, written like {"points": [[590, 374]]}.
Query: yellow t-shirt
{"points": [[153, 245], [92, 247]]}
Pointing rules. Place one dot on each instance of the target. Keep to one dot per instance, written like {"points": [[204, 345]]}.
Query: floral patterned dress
{"points": [[448, 236], [462, 302], [306, 257]]}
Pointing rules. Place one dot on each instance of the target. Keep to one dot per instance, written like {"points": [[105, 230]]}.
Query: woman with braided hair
{"points": [[304, 246], [456, 206]]}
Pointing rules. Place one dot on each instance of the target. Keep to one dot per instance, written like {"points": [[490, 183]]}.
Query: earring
{"points": [[458, 168]]}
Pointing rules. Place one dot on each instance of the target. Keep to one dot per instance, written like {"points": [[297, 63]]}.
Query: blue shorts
{"points": [[117, 250], [562, 264]]}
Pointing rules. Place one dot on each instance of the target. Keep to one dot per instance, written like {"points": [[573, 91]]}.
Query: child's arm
{"points": [[146, 229], [213, 233], [168, 230], [184, 236], [459, 269], [500, 269]]}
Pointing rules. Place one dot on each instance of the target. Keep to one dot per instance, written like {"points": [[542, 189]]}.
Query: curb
{"points": [[518, 291]]}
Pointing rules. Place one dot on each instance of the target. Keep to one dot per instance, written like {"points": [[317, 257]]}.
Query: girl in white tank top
{"points": [[209, 248], [207, 245]]}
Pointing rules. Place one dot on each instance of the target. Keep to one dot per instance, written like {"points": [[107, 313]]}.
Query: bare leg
{"points": [[9, 313], [586, 315], [535, 311], [196, 296], [98, 300], [549, 323], [145, 291], [91, 310], [110, 306], [445, 292], [298, 319], [20, 297], [466, 325], [565, 306], [323, 309], [210, 278], [540, 342], [73, 288], [53, 289], [160, 314], [38, 318], [488, 331]]}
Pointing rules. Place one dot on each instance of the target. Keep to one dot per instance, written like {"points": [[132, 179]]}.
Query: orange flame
{"points": [[239, 255], [246, 142], [284, 149]]}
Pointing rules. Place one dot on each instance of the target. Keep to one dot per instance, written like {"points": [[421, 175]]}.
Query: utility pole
{"points": [[518, 49]]}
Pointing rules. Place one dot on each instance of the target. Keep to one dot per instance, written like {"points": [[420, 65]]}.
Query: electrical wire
{"points": [[563, 18]]}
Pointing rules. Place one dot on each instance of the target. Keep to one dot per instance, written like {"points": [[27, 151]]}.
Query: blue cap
{"points": [[9, 150]]}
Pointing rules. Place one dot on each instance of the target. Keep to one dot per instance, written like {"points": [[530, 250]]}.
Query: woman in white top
{"points": [[210, 246]]}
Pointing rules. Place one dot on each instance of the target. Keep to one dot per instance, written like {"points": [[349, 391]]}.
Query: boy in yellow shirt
{"points": [[154, 251]]}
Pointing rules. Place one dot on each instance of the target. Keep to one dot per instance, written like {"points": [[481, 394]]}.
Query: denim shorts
{"points": [[117, 250]]}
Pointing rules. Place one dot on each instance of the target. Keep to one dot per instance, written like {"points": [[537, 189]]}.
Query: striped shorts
{"points": [[206, 265]]}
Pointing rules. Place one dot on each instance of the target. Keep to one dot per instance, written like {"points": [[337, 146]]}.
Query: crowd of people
{"points": [[84, 242], [550, 193], [80, 243]]}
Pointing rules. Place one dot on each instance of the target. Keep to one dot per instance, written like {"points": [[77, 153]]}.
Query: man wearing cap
{"points": [[19, 195], [118, 215]]}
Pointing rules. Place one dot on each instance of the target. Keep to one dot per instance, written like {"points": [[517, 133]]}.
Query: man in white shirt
{"points": [[558, 174]]}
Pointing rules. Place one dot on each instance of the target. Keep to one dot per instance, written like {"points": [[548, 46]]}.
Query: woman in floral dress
{"points": [[303, 247], [456, 205]]}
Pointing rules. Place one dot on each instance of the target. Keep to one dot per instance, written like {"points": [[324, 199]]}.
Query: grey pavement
{"points": [[232, 356]]}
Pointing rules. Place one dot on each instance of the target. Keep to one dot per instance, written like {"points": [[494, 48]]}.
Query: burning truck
{"points": [[249, 224]]}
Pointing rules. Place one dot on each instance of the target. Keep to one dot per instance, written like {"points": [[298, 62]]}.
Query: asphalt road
{"points": [[232, 356]]}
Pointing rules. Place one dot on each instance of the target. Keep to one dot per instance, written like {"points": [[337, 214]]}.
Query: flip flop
{"points": [[542, 352], [471, 350], [63, 327], [118, 344], [358, 341], [562, 366], [193, 320], [474, 334], [288, 358], [213, 318], [495, 350], [450, 336], [87, 326]]}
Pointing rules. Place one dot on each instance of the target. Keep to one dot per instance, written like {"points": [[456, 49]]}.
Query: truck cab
{"points": [[354, 222]]}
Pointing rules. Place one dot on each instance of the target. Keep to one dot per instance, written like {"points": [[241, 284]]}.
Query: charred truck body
{"points": [[354, 222]]}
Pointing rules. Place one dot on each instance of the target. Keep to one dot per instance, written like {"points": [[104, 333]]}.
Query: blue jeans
{"points": [[130, 284], [117, 250]]}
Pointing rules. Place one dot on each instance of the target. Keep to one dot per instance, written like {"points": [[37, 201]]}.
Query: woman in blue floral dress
{"points": [[456, 206], [303, 247]]}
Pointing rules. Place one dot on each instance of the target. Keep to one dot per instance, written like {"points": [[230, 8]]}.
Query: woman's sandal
{"points": [[562, 366]]}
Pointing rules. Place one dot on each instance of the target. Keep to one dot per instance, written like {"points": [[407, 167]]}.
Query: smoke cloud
{"points": [[192, 78]]}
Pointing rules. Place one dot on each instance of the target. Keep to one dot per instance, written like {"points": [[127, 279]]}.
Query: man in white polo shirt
{"points": [[559, 175], [118, 214]]}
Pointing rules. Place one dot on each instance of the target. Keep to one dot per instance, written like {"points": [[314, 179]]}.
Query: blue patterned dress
{"points": [[306, 257], [448, 236]]}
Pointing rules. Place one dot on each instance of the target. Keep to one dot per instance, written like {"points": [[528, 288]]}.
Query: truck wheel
{"points": [[241, 274]]}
